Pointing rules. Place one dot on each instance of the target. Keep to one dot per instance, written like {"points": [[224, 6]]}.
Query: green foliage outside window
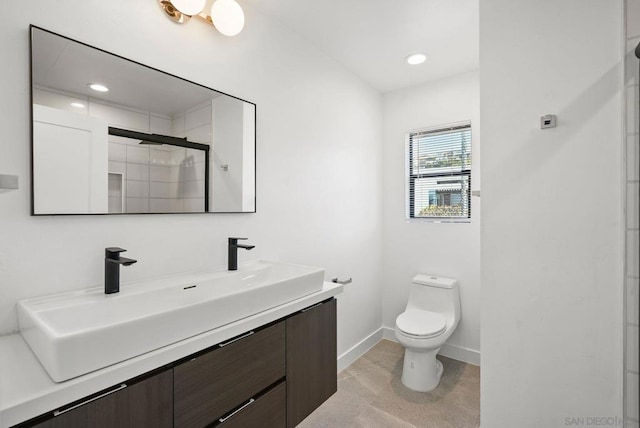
{"points": [[442, 211]]}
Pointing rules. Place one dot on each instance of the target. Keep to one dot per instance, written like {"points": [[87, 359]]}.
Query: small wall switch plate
{"points": [[8, 181], [548, 121]]}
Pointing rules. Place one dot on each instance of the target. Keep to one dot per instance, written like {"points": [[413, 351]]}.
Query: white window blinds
{"points": [[439, 172]]}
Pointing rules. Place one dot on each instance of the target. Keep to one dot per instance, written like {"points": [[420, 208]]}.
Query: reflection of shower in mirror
{"points": [[142, 147]]}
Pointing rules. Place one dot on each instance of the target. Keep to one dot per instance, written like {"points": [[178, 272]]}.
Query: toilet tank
{"points": [[435, 294]]}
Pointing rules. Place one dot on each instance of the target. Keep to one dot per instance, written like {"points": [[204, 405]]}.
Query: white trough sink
{"points": [[78, 332]]}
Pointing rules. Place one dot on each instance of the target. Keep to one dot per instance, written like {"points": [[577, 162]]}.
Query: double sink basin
{"points": [[75, 333]]}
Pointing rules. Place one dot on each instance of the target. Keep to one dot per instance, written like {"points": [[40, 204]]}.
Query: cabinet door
{"points": [[144, 404], [215, 383], [311, 360]]}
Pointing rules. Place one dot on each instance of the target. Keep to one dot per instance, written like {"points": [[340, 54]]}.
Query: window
{"points": [[439, 172]]}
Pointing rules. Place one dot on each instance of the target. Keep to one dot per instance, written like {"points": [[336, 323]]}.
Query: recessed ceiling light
{"points": [[78, 105], [417, 58], [98, 87]]}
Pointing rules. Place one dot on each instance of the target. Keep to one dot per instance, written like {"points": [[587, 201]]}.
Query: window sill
{"points": [[438, 220]]}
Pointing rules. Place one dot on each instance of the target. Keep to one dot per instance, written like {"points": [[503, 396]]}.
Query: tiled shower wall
{"points": [[160, 178], [632, 89]]}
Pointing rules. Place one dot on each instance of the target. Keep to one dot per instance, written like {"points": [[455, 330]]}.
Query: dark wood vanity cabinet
{"points": [[212, 385], [147, 403], [311, 360], [270, 377]]}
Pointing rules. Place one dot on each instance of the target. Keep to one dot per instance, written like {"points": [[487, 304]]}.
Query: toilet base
{"points": [[421, 371]]}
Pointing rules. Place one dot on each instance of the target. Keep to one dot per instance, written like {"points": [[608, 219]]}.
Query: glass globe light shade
{"points": [[227, 17], [189, 7]]}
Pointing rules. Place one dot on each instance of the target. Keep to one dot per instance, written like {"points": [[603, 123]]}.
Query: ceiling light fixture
{"points": [[226, 16], [77, 105], [189, 7], [417, 58], [98, 87]]}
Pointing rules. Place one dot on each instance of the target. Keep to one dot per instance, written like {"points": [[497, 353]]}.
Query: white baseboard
{"points": [[346, 359], [389, 334], [460, 353]]}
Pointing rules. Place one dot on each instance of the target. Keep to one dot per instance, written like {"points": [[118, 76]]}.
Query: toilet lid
{"points": [[421, 323]]}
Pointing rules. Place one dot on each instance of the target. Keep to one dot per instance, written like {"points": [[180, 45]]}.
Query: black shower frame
{"points": [[171, 141]]}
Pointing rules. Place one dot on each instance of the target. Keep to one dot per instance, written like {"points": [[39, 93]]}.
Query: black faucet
{"points": [[233, 252], [112, 262]]}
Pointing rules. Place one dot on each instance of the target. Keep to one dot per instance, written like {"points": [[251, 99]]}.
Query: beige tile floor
{"points": [[370, 395]]}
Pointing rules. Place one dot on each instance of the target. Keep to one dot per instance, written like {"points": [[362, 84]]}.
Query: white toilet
{"points": [[431, 316]]}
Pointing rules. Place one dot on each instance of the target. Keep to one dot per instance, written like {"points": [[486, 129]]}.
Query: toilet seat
{"points": [[421, 324]]}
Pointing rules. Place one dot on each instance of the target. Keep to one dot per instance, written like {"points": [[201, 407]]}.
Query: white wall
{"points": [[318, 134], [632, 214], [551, 211], [417, 246]]}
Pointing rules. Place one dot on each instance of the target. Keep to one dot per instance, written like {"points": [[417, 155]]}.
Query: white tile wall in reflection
{"points": [[161, 190], [632, 395], [119, 167], [158, 156], [201, 134], [632, 253], [137, 205], [159, 125], [198, 117], [137, 189], [632, 347], [137, 172], [633, 312], [160, 173], [192, 189], [633, 190], [117, 152], [192, 205], [632, 109], [633, 152], [138, 154], [160, 205]]}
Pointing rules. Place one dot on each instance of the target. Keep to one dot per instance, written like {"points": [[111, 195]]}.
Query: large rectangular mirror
{"points": [[144, 141]]}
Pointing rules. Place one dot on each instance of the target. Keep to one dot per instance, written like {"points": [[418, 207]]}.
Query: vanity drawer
{"points": [[266, 411], [213, 384], [143, 404]]}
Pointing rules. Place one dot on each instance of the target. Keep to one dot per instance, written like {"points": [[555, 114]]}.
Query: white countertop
{"points": [[26, 390]]}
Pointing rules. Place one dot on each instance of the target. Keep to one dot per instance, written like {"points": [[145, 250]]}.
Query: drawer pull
{"points": [[311, 307], [248, 403], [236, 339], [59, 412]]}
